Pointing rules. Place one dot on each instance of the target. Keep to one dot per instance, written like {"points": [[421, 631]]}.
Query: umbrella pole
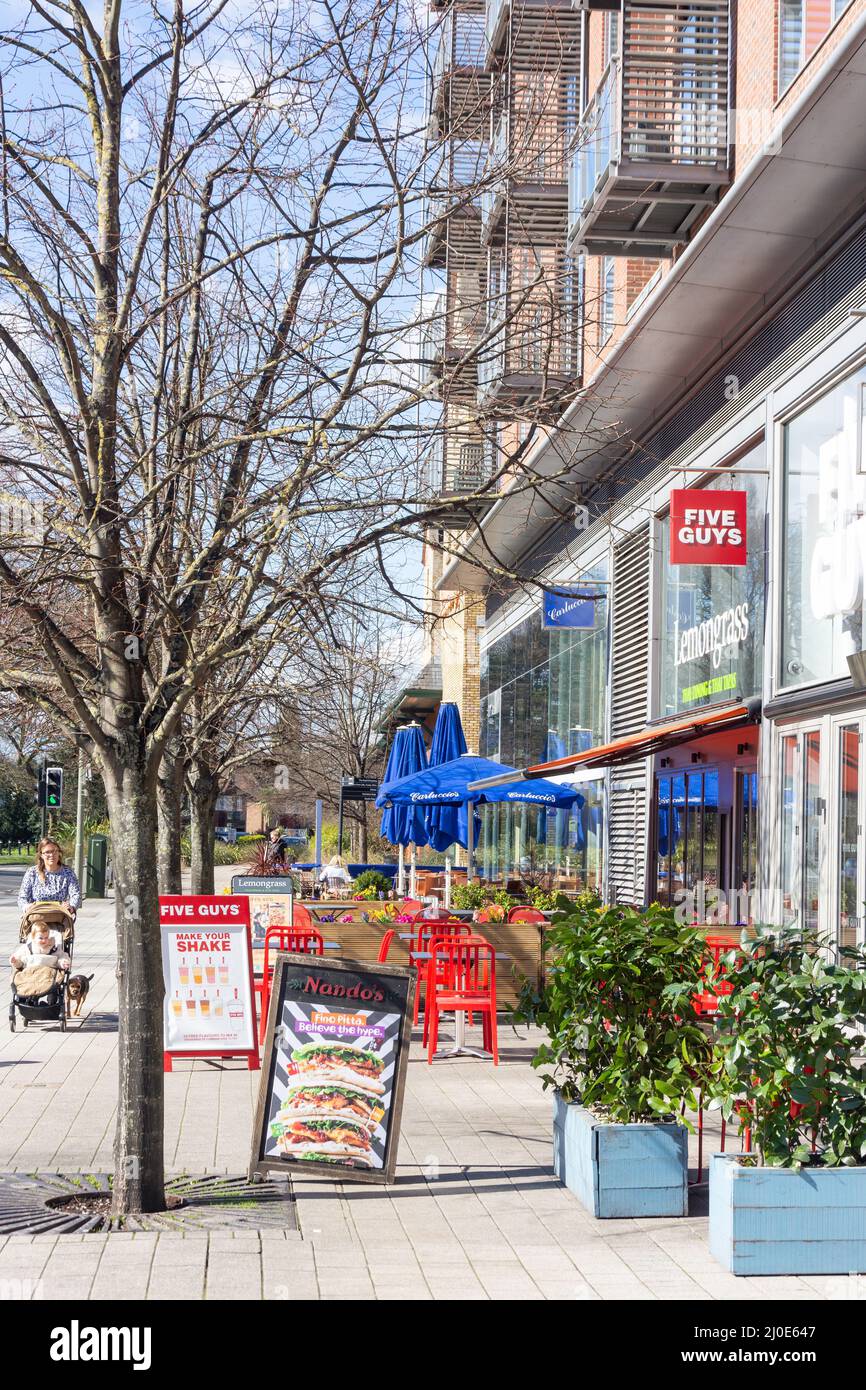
{"points": [[412, 872], [401, 872], [448, 884], [470, 837]]}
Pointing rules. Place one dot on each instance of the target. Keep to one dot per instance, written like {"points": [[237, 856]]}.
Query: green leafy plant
{"points": [[623, 1036], [471, 896], [369, 880], [542, 899], [789, 1039]]}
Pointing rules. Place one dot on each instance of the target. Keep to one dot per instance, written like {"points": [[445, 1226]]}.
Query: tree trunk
{"points": [[362, 836], [203, 799], [169, 801], [139, 1178]]}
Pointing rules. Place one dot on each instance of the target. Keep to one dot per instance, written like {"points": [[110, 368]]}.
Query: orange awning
{"points": [[654, 739]]}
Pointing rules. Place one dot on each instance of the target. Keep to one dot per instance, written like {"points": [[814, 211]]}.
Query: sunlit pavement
{"points": [[475, 1213]]}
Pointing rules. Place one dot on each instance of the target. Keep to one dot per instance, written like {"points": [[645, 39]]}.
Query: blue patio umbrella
{"points": [[404, 825], [446, 787], [445, 823], [540, 791]]}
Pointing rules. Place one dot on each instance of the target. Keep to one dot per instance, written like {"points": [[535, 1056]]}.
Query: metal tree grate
{"points": [[209, 1203]]}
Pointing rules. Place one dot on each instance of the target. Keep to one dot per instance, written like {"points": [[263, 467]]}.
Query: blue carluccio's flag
{"points": [[446, 787]]}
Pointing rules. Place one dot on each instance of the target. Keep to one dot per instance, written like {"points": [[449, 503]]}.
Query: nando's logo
{"points": [[326, 989]]}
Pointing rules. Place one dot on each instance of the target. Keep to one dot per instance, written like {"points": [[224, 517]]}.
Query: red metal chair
{"points": [[302, 941], [461, 975], [411, 906], [301, 918], [429, 929], [706, 1002], [385, 945], [525, 914]]}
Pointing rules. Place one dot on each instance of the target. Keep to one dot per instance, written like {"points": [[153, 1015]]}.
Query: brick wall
{"points": [[459, 644]]}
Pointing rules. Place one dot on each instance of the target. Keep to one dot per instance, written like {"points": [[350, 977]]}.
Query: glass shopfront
{"points": [[713, 615], [546, 847], [543, 692], [824, 557], [543, 697]]}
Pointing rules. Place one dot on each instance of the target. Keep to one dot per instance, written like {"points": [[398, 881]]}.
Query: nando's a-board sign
{"points": [[334, 1068]]}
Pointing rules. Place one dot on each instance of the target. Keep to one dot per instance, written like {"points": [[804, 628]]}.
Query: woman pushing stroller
{"points": [[49, 898], [49, 880]]}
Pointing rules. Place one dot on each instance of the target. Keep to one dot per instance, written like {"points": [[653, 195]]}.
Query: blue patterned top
{"points": [[59, 887]]}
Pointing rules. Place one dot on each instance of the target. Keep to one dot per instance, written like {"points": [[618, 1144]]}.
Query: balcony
{"points": [[459, 465], [533, 35], [450, 335], [530, 358], [651, 152], [526, 194], [452, 213], [459, 87]]}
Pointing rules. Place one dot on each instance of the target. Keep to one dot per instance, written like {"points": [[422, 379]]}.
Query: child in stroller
{"points": [[41, 965]]}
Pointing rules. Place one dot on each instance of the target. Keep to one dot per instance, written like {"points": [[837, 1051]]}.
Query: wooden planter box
{"points": [[621, 1170], [779, 1221]]}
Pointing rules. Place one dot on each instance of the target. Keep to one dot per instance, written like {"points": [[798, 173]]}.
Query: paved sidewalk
{"points": [[475, 1213]]}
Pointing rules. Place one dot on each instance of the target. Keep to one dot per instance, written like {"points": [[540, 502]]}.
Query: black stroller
{"points": [[39, 992]]}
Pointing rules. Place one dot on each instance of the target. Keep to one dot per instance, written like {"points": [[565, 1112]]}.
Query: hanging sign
{"points": [[568, 608], [336, 1049], [708, 527], [208, 972]]}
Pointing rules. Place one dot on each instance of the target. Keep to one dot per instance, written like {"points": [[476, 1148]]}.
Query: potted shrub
{"points": [[791, 1044], [624, 1054], [370, 884]]}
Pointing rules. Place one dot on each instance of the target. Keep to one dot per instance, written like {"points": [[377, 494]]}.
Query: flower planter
{"points": [[621, 1170], [779, 1221]]}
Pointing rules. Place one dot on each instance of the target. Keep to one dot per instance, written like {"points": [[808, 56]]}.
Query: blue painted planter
{"points": [[778, 1221], [621, 1170]]}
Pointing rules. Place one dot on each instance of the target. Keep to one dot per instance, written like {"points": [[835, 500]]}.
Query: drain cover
{"points": [[32, 1203]]}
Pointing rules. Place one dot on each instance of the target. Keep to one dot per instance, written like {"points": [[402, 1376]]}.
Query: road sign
{"points": [[359, 788]]}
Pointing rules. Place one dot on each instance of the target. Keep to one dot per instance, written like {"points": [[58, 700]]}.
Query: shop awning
{"points": [[653, 739]]}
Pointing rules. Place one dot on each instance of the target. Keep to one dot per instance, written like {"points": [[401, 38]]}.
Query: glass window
{"points": [[849, 838], [713, 615], [789, 785], [803, 25], [825, 536]]}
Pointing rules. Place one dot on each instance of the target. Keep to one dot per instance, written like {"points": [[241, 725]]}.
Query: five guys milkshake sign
{"points": [[708, 527]]}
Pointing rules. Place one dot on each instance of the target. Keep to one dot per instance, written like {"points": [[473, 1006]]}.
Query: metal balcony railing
{"points": [[529, 163], [651, 150], [532, 351], [449, 336], [457, 71], [452, 205], [533, 34]]}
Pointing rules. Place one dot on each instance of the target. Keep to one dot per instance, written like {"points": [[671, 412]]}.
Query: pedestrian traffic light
{"points": [[51, 788]]}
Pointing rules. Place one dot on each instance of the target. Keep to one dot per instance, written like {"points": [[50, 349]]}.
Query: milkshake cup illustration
{"points": [[190, 1007], [197, 973], [204, 1005], [176, 1006], [183, 974], [224, 974], [210, 973], [218, 1007]]}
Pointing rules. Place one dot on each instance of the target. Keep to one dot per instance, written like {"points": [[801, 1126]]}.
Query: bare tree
{"points": [[209, 231]]}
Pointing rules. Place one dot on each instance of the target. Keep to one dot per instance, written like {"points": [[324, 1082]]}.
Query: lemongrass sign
{"points": [[708, 527], [208, 974]]}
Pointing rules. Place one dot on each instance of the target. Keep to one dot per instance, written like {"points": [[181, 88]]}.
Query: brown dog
{"points": [[77, 987]]}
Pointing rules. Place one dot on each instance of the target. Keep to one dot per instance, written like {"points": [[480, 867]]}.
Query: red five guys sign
{"points": [[708, 527]]}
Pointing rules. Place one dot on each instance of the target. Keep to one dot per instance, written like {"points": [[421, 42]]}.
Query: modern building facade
{"points": [[715, 235]]}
